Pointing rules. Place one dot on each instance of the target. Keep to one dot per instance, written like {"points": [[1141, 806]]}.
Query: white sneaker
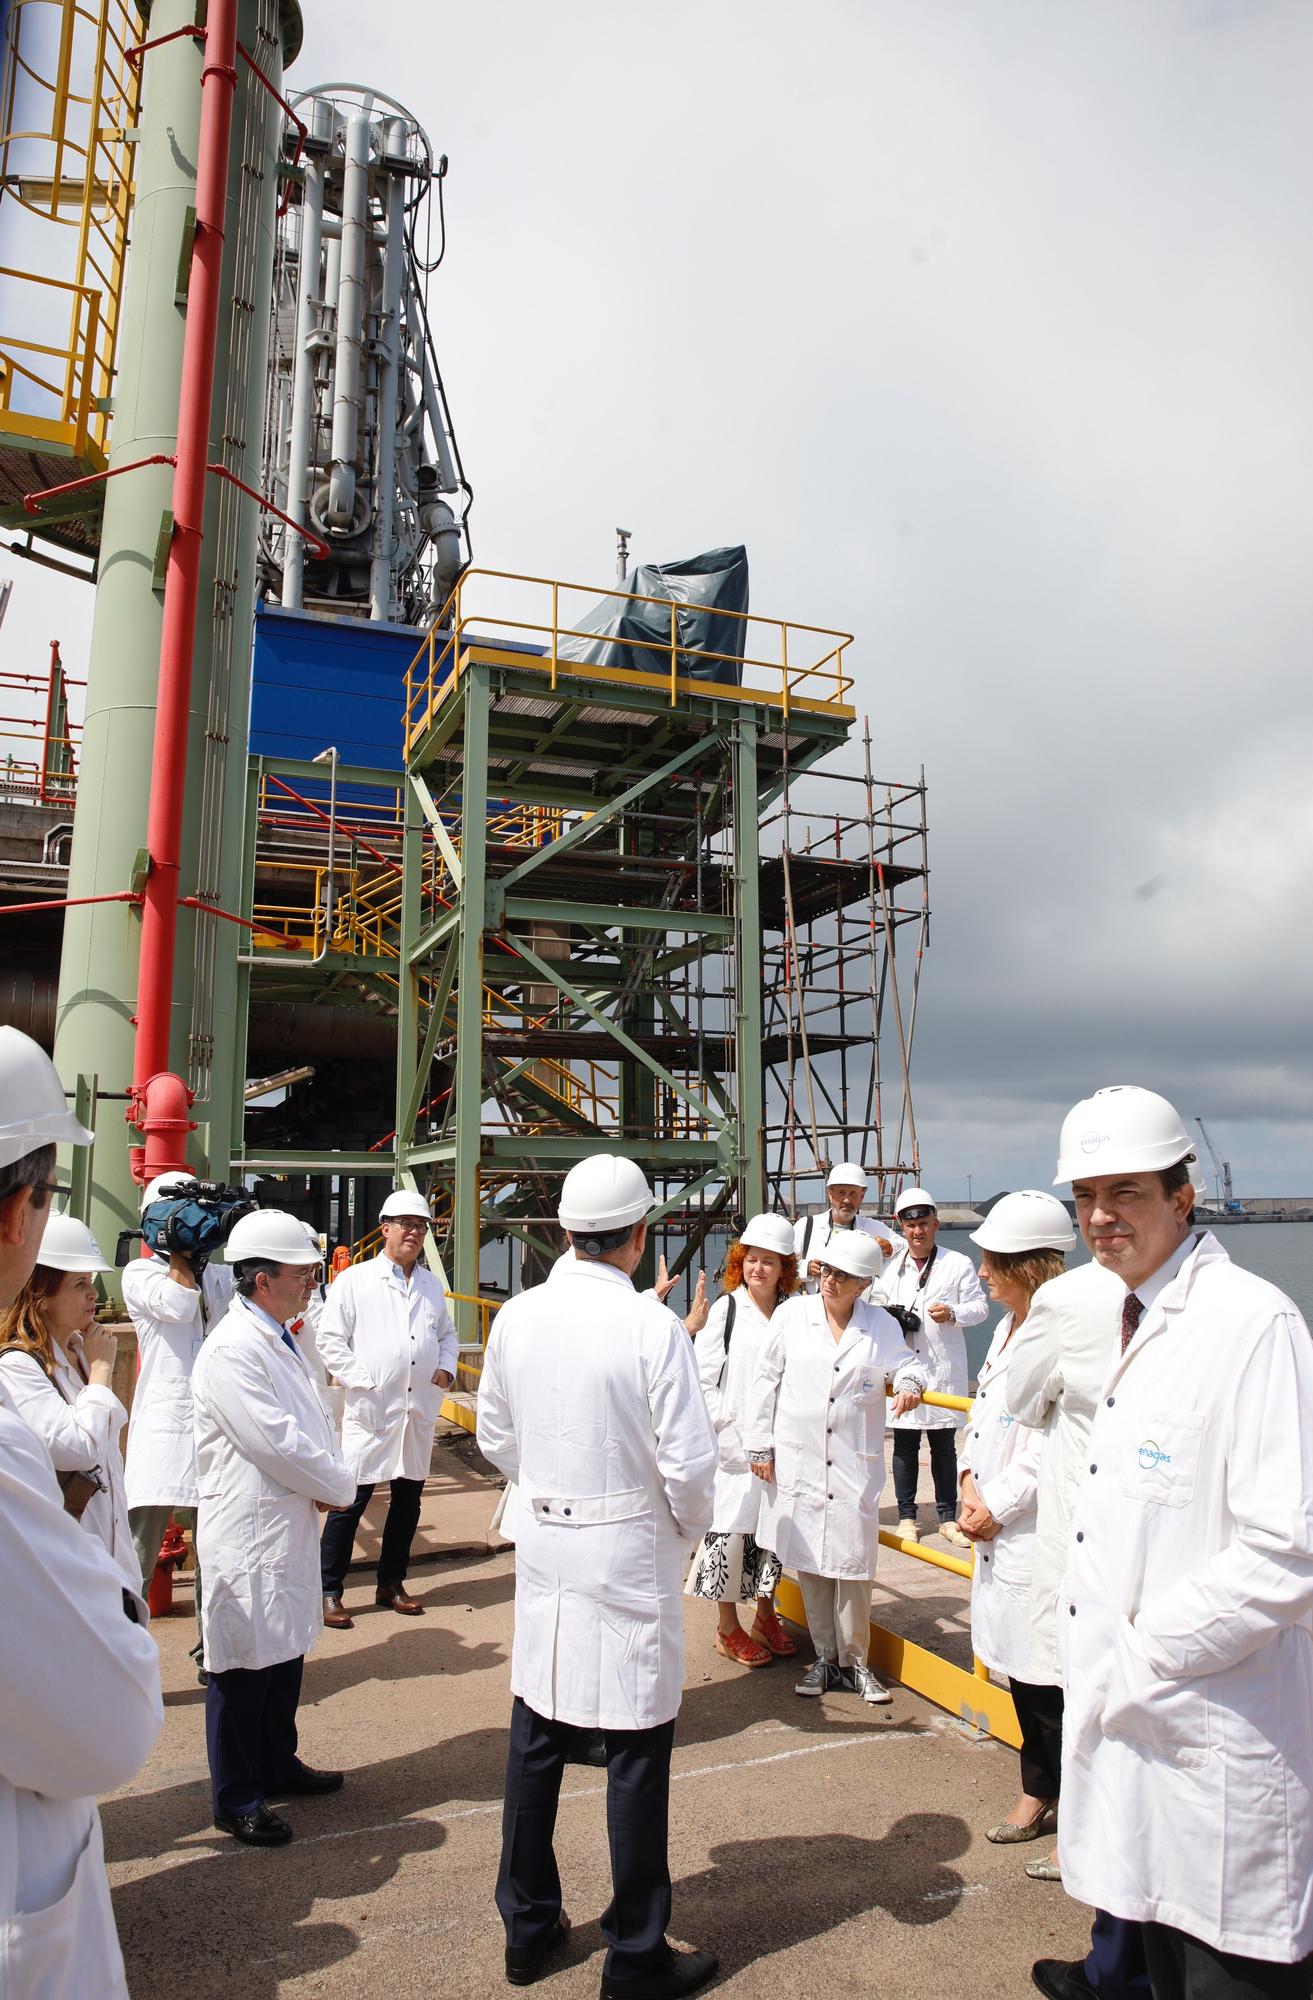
{"points": [[869, 1685], [906, 1531], [950, 1532]]}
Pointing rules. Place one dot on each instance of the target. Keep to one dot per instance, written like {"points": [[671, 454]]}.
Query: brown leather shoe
{"points": [[336, 1615], [397, 1600]]}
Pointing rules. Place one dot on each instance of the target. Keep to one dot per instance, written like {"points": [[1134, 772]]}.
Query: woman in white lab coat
{"points": [[731, 1566], [814, 1431], [56, 1371], [1024, 1239]]}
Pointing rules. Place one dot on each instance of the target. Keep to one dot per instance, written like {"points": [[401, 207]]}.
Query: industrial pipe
{"points": [[352, 304], [303, 382], [154, 1091], [381, 573]]}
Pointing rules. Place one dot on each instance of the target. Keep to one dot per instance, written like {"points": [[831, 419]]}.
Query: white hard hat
{"points": [[1124, 1130], [33, 1109], [858, 1255], [165, 1184], [1028, 1220], [273, 1237], [68, 1245], [769, 1232], [847, 1174], [604, 1192], [914, 1198], [404, 1202]]}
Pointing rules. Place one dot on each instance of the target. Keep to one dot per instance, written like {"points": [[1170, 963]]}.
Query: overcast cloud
{"points": [[986, 327]]}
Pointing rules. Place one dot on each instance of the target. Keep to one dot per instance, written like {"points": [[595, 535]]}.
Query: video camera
{"points": [[194, 1222], [909, 1321]]}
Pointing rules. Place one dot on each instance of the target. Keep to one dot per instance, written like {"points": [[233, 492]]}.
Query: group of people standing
{"points": [[1136, 1481], [1135, 1478]]}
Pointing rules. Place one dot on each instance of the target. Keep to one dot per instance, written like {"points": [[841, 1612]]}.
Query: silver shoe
{"points": [[1007, 1833], [1044, 1871], [820, 1675], [868, 1685]]}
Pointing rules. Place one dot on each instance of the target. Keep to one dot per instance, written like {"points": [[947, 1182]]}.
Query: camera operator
{"points": [[172, 1308]]}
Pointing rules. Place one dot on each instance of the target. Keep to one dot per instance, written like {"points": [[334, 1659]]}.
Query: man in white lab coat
{"points": [[82, 1705], [590, 1400], [171, 1306], [385, 1334], [1186, 1617], [846, 1189], [266, 1458], [934, 1294]]}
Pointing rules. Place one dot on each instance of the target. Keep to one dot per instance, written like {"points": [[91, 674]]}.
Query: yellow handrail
{"points": [[819, 682]]}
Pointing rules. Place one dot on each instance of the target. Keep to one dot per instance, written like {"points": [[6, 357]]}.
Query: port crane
{"points": [[1222, 1168]]}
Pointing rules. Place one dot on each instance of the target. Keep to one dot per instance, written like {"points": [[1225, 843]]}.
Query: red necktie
{"points": [[1132, 1308]]}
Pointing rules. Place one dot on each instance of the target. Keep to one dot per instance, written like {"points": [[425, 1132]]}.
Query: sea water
{"points": [[1281, 1252]]}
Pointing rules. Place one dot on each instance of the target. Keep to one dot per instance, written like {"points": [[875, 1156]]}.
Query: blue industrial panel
{"points": [[319, 680]]}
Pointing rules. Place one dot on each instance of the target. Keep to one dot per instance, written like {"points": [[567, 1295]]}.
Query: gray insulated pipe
{"points": [[27, 1001]]}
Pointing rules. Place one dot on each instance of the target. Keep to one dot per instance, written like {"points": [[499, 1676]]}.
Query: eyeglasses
{"points": [[407, 1225], [839, 1277], [49, 1187]]}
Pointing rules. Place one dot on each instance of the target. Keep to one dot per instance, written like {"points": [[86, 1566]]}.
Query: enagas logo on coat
{"points": [[1151, 1456], [1091, 1141]]}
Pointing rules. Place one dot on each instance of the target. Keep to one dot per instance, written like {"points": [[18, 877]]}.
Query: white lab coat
{"points": [[81, 1712], [1186, 1622], [384, 1345], [727, 1384], [811, 1233], [265, 1453], [951, 1281], [1056, 1365], [171, 1322], [590, 1400], [820, 1404], [79, 1424], [1003, 1457], [306, 1328]]}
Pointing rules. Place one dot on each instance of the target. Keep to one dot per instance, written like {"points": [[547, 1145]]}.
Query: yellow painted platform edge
{"points": [[976, 1702]]}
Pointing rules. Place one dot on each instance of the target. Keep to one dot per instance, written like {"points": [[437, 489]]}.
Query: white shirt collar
{"points": [[265, 1321], [1158, 1280]]}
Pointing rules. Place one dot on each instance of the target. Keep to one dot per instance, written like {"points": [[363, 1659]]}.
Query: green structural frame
{"points": [[499, 734]]}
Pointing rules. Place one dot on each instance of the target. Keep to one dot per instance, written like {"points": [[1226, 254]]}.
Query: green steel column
{"points": [[747, 911], [412, 865], [244, 906], [98, 977], [468, 1078]]}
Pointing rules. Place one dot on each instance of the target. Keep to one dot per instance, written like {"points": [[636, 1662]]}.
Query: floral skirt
{"points": [[732, 1569]]}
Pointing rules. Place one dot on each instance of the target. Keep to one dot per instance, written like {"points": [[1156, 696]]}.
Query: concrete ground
{"points": [[817, 1846]]}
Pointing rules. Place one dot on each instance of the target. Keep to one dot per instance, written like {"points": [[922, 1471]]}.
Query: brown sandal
{"points": [[770, 1631], [737, 1646]]}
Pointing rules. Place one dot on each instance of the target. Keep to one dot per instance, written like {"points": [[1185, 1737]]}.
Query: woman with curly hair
{"points": [[56, 1370], [731, 1567]]}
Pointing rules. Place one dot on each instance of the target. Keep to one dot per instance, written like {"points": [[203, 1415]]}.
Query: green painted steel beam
{"points": [[467, 1080], [365, 775], [603, 816], [747, 973], [557, 1146]]}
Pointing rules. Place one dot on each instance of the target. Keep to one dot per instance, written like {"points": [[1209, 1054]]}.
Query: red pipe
{"points": [[213, 910], [164, 1149], [69, 902]]}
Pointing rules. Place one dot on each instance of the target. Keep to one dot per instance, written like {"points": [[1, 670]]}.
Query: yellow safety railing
{"points": [[71, 166], [797, 665]]}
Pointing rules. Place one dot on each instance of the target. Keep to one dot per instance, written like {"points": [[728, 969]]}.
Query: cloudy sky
{"points": [[985, 326]]}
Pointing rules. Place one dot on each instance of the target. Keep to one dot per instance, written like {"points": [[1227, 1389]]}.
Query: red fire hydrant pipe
{"points": [[156, 1111]]}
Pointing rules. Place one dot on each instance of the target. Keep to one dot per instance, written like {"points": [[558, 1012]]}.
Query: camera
{"points": [[909, 1321], [194, 1222]]}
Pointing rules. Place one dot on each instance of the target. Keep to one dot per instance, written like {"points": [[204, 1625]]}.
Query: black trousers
{"points": [[398, 1533], [1114, 1965], [250, 1732], [1039, 1711], [943, 1470], [1184, 1968], [637, 1821]]}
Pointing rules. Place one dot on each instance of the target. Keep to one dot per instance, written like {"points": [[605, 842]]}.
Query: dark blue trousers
{"points": [[250, 1732], [1115, 1967], [637, 1821]]}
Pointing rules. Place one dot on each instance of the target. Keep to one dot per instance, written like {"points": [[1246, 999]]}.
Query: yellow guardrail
{"points": [[474, 614]]}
